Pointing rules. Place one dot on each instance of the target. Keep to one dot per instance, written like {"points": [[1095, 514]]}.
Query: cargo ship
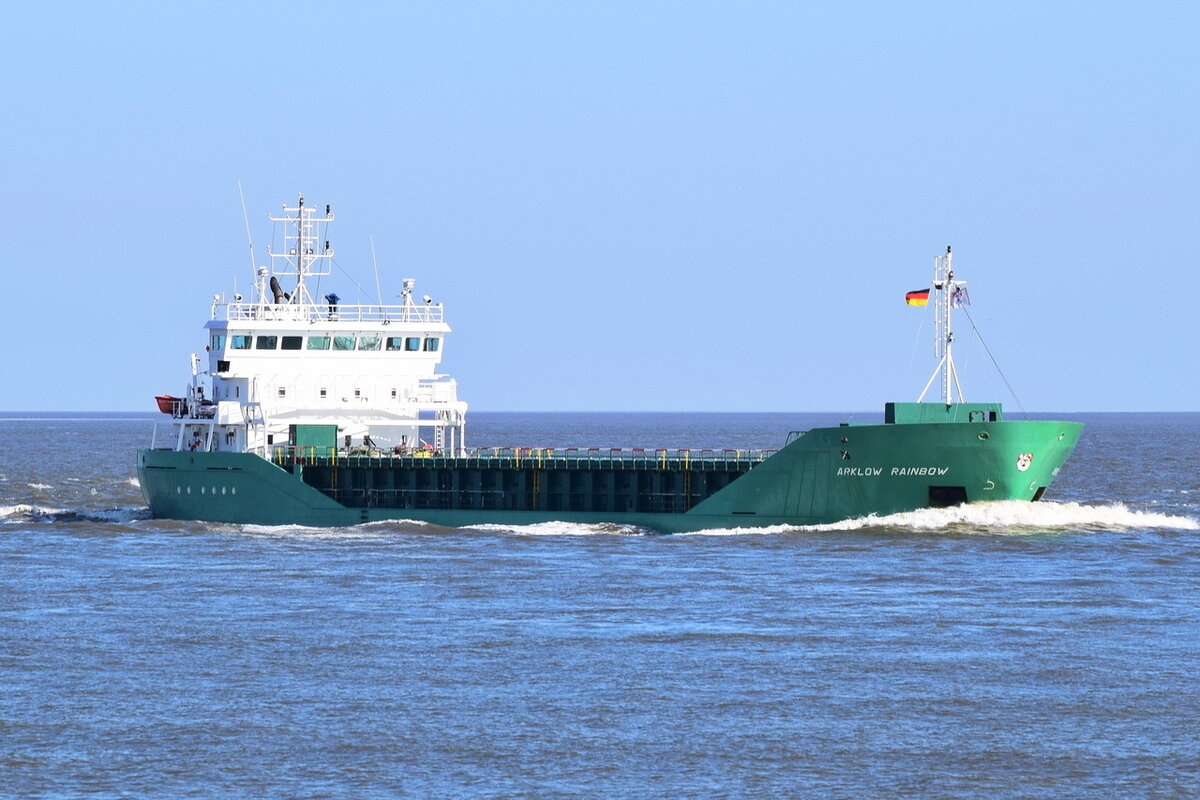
{"points": [[309, 411]]}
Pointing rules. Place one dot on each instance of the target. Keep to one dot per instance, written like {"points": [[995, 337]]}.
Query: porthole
{"points": [[201, 490], [983, 435], [214, 490], [233, 490], [178, 490], [222, 490], [189, 490]]}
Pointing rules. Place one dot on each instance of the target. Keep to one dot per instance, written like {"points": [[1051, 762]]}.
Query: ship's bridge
{"points": [[293, 354]]}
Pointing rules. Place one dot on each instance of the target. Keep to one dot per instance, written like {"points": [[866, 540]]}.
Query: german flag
{"points": [[918, 298]]}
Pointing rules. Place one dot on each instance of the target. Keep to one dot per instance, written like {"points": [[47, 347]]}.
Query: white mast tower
{"points": [[948, 293], [301, 252]]}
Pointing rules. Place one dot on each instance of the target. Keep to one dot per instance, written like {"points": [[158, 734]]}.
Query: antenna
{"points": [[246, 219], [378, 291]]}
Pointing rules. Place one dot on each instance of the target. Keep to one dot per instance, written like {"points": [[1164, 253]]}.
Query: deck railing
{"points": [[551, 457], [335, 313]]}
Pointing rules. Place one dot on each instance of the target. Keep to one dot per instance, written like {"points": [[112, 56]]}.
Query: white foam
{"points": [[40, 486], [23, 509], [116, 514], [284, 530], [558, 528], [765, 530], [369, 530], [1008, 516], [27, 511], [1014, 516], [1019, 514]]}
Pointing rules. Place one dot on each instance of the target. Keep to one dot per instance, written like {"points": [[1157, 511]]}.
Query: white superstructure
{"points": [[286, 359]]}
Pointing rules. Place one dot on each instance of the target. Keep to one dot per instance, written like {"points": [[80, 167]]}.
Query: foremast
{"points": [[948, 294]]}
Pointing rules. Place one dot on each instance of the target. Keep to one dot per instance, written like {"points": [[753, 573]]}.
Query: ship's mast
{"points": [[948, 292], [301, 249]]}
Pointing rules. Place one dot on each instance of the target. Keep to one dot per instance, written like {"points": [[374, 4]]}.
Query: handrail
{"points": [[334, 313], [635, 454], [529, 456]]}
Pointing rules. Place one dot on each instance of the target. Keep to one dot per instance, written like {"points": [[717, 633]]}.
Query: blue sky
{"points": [[624, 206]]}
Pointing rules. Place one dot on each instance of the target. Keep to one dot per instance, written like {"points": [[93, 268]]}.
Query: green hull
{"points": [[824, 475]]}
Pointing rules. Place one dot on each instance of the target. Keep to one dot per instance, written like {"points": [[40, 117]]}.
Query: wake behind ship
{"points": [[314, 412]]}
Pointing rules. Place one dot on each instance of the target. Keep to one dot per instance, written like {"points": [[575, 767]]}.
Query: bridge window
{"points": [[318, 343], [218, 341], [266, 342], [368, 343], [431, 344], [291, 342], [395, 343], [412, 343], [240, 341], [343, 343]]}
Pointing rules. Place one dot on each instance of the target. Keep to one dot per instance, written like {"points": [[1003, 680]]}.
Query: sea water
{"points": [[998, 650]]}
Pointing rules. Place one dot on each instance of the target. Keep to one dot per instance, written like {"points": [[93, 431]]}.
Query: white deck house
{"points": [[284, 360]]}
